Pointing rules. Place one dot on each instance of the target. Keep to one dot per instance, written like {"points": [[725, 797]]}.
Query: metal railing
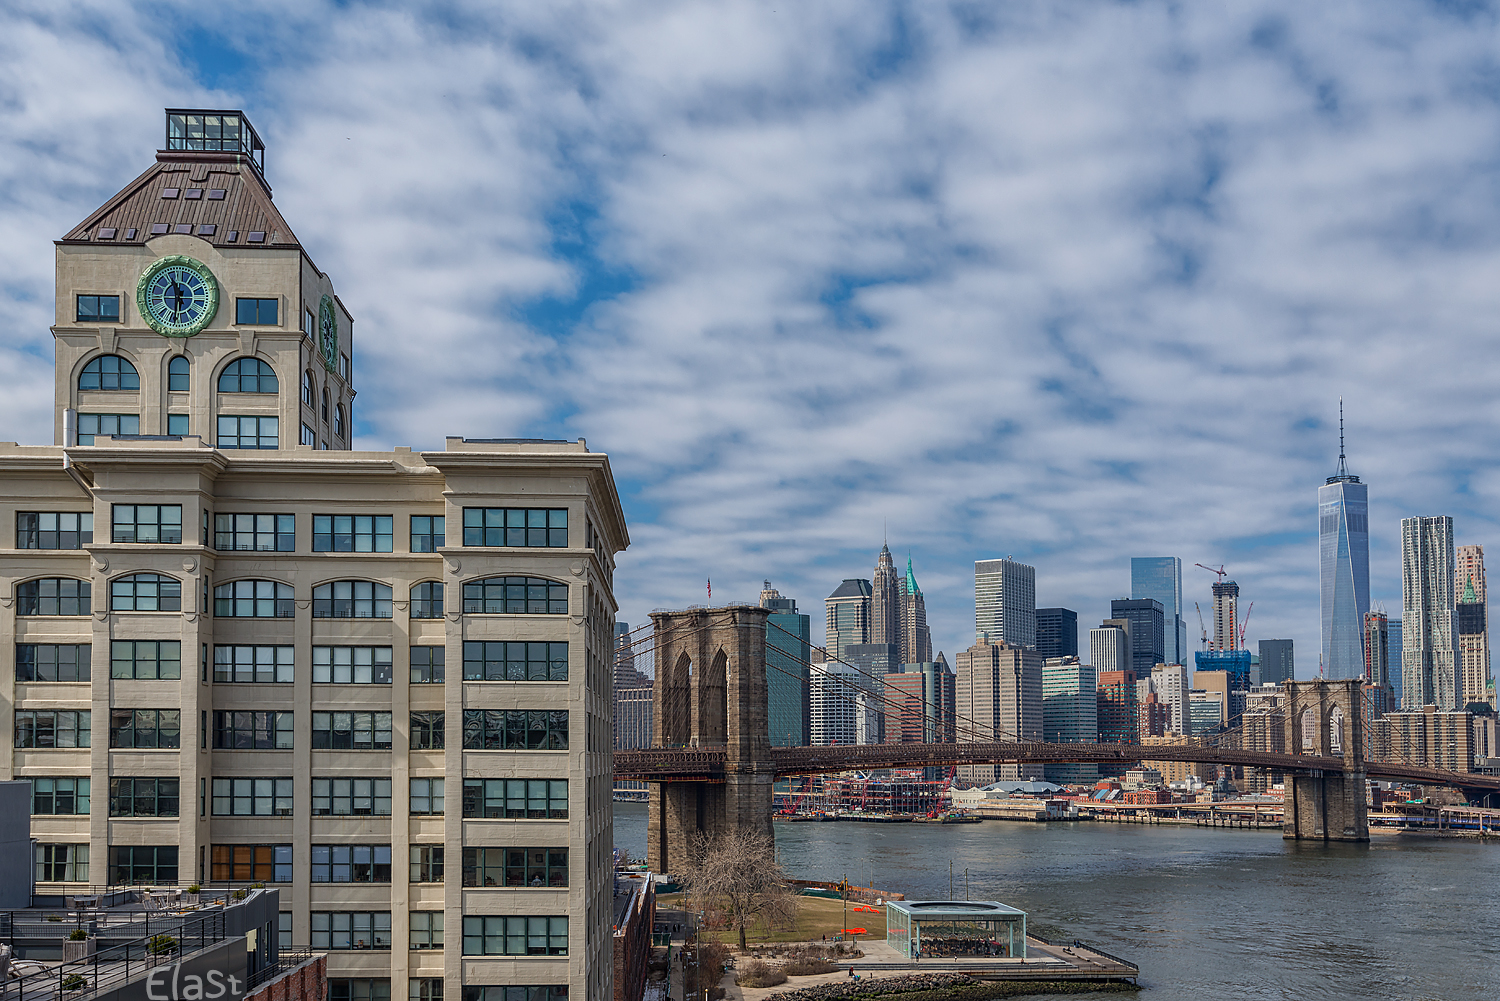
{"points": [[110, 968], [287, 960]]}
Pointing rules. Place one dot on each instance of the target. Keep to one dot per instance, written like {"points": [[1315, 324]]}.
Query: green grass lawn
{"points": [[816, 917]]}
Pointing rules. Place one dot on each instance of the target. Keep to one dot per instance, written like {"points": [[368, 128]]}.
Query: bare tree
{"points": [[738, 871]]}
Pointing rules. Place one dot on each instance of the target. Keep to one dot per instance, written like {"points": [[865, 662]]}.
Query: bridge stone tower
{"points": [[710, 693], [1324, 718]]}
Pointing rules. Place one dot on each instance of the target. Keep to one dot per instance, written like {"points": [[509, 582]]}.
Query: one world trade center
{"points": [[1344, 564]]}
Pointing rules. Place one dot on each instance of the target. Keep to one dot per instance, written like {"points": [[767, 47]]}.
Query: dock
{"points": [[1045, 960]]}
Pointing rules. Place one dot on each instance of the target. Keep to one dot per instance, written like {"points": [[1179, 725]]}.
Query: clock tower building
{"points": [[237, 652]]}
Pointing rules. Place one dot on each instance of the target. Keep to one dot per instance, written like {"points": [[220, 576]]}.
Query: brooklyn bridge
{"points": [[712, 765]]}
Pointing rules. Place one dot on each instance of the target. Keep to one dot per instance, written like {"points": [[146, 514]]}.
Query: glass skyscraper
{"points": [[1344, 569], [1160, 577]]}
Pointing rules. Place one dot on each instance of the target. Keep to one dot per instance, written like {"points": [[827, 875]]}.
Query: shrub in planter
{"points": [[54, 917], [74, 982], [194, 889], [77, 935], [240, 894], [160, 945]]}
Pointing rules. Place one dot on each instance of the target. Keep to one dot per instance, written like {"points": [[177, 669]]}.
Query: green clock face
{"points": [[328, 334], [177, 296]]}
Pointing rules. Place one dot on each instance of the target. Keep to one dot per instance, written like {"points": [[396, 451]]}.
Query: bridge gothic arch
{"points": [[1324, 720]]}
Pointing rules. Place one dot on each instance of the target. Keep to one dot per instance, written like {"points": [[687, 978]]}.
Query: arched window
{"points": [[308, 396], [145, 592], [338, 421], [325, 404], [247, 375], [177, 374], [352, 599], [427, 600], [254, 599], [109, 372], [516, 596], [53, 596]]}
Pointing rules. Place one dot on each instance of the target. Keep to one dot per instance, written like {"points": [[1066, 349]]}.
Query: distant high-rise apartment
{"points": [[1070, 714], [1118, 707], [847, 616], [1393, 657], [1343, 568], [1226, 616], [1056, 633], [1109, 647], [916, 639], [842, 710], [1169, 682], [1147, 632], [1005, 602], [885, 603], [1377, 649], [1429, 656], [1473, 623], [1160, 577], [633, 695], [1276, 663], [998, 691], [874, 659], [920, 703], [788, 651], [1221, 686]]}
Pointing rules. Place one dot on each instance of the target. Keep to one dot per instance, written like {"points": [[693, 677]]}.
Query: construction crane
{"points": [[1202, 629], [1243, 623], [1218, 570]]}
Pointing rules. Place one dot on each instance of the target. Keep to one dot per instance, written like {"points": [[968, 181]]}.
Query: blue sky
{"points": [[1070, 282]]}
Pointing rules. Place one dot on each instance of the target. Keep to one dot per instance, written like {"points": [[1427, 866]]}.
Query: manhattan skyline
{"points": [[1002, 282]]}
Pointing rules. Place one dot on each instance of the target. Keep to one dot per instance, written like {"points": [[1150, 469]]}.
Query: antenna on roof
{"points": [[1343, 469]]}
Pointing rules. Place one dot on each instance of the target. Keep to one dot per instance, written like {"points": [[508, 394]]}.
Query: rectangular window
{"points": [[54, 529], [243, 731], [145, 728], [177, 424], [427, 989], [61, 796], [284, 925], [344, 367], [143, 864], [516, 526], [308, 437], [519, 868], [351, 930], [247, 432], [352, 665], [515, 936], [308, 323], [253, 797], [427, 863], [254, 863], [54, 661], [426, 533], [507, 661], [426, 665], [353, 533], [265, 664], [147, 523], [515, 729], [263, 533], [62, 863], [91, 426], [143, 797], [516, 799], [346, 989], [145, 659], [351, 797], [426, 797], [258, 312], [52, 728], [427, 731], [98, 309], [351, 863], [547, 992], [426, 929], [356, 731]]}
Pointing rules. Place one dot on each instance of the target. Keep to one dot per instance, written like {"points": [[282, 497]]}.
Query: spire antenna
{"points": [[1342, 476]]}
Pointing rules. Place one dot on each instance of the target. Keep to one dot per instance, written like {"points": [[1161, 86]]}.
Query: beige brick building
{"points": [[240, 651]]}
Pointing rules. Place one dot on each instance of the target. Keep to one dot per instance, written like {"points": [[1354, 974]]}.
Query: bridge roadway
{"points": [[706, 764]]}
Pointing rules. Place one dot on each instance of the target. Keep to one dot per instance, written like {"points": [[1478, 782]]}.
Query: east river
{"points": [[1206, 914]]}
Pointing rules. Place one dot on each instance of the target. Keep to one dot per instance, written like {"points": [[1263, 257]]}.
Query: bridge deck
{"points": [[698, 764]]}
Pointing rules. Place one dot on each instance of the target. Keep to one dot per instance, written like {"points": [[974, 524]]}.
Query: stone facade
{"points": [[1324, 719]]}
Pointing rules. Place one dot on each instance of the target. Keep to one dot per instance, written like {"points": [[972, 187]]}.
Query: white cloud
{"points": [[1077, 284]]}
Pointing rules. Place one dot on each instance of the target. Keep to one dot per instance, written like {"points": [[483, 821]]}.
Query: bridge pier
{"points": [[1325, 718], [710, 693]]}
